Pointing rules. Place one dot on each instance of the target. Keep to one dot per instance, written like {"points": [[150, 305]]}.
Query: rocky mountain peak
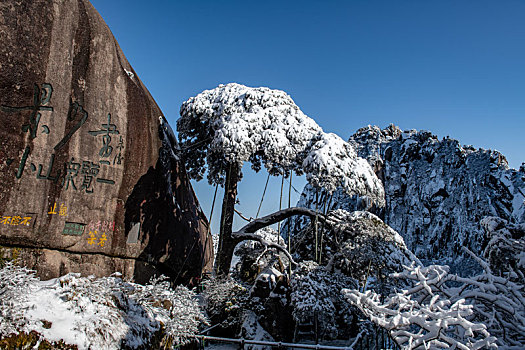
{"points": [[437, 191]]}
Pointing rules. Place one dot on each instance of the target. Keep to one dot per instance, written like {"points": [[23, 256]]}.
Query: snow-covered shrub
{"points": [[101, 313], [316, 296], [251, 257], [176, 309], [358, 244], [225, 301], [505, 249], [232, 307], [438, 309], [32, 340], [16, 283], [260, 265], [362, 244]]}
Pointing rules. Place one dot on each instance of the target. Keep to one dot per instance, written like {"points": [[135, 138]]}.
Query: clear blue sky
{"points": [[456, 68]]}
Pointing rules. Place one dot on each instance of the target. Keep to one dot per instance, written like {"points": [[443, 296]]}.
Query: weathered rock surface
{"points": [[437, 191], [90, 179]]}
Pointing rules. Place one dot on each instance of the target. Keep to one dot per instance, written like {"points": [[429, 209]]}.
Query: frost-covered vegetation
{"points": [[370, 285], [97, 313], [316, 296], [423, 314], [233, 123], [347, 273], [220, 129], [346, 276], [439, 309]]}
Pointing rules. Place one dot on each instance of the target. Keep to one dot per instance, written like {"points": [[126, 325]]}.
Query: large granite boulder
{"points": [[90, 179]]}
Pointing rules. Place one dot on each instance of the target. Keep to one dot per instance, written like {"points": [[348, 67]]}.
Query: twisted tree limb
{"points": [[248, 231]]}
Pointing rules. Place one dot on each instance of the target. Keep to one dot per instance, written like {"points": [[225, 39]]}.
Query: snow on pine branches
{"points": [[103, 313], [332, 163], [316, 295], [240, 123], [438, 309], [232, 124]]}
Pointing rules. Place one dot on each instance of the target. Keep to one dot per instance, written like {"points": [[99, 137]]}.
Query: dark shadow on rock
{"points": [[170, 218]]}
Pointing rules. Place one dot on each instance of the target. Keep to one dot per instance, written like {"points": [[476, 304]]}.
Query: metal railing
{"points": [[243, 342], [380, 340]]}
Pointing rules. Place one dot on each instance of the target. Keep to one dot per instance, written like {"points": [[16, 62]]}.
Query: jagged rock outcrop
{"points": [[90, 179], [437, 191]]}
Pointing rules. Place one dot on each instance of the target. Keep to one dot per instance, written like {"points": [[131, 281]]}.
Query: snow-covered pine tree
{"points": [[220, 129]]}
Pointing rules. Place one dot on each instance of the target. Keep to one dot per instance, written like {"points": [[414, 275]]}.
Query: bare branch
{"points": [[242, 216], [247, 233], [265, 243], [280, 215]]}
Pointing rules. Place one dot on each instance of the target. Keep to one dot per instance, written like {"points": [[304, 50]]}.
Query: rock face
{"points": [[90, 179], [437, 191]]}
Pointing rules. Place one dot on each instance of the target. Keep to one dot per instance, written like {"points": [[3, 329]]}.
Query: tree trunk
{"points": [[226, 241]]}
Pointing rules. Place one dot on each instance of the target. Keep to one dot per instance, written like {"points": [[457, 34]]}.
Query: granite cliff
{"points": [[90, 176]]}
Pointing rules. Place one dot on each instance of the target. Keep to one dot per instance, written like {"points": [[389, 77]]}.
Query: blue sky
{"points": [[456, 68]]}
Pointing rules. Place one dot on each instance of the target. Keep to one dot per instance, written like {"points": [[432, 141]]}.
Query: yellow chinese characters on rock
{"points": [[92, 238], [99, 232], [16, 220], [62, 210], [102, 240]]}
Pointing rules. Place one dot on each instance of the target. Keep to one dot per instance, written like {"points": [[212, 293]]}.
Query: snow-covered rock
{"points": [[104, 313], [91, 176], [251, 329], [358, 244], [436, 191]]}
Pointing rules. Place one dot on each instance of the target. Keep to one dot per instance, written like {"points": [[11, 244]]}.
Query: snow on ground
{"points": [[103, 313]]}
